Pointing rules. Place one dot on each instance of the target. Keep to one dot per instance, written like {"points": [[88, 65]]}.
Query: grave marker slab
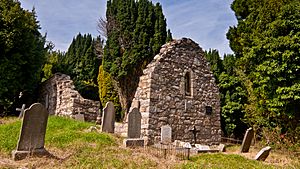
{"points": [[247, 140], [166, 134], [108, 118], [79, 117], [202, 147], [263, 154], [134, 124], [32, 136]]}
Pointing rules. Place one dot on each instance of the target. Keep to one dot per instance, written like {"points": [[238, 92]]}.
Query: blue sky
{"points": [[204, 21]]}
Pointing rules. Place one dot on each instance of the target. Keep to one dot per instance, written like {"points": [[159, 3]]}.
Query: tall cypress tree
{"points": [[135, 32]]}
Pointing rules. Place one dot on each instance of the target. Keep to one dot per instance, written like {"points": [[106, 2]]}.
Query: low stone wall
{"points": [[59, 96]]}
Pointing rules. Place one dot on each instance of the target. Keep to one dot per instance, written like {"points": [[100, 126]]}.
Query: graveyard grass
{"points": [[75, 147]]}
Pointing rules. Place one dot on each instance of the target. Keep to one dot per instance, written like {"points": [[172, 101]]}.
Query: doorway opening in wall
{"points": [[187, 84]]}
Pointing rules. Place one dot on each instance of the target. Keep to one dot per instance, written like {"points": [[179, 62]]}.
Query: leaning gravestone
{"points": [[166, 134], [108, 118], [247, 140], [32, 137], [263, 154], [134, 124]]}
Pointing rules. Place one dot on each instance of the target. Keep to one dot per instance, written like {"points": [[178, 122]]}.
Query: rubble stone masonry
{"points": [[59, 96]]}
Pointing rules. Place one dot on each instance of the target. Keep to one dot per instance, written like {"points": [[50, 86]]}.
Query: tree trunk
{"points": [[126, 90]]}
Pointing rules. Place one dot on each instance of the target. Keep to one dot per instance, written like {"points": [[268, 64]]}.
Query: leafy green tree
{"points": [[233, 98], [22, 53], [135, 32], [53, 63], [266, 43], [233, 94]]}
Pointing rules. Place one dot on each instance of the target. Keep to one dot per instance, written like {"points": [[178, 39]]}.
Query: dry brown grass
{"points": [[278, 158], [7, 120]]}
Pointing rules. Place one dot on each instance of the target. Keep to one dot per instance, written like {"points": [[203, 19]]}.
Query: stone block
{"points": [[134, 142]]}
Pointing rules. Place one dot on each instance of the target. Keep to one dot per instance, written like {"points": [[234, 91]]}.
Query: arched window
{"points": [[187, 84]]}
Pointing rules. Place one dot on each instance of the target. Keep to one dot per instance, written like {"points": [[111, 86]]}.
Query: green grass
{"points": [[9, 135], [223, 161], [74, 147], [61, 133], [64, 132]]}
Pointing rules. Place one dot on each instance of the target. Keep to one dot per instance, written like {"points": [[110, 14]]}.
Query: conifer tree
{"points": [[135, 32]]}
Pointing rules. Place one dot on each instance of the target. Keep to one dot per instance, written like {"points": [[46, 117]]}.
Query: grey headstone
{"points": [[263, 154], [166, 134], [247, 140], [108, 118], [134, 124], [32, 137], [79, 117]]}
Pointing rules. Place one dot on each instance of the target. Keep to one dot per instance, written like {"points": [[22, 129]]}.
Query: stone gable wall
{"points": [[162, 99], [64, 100]]}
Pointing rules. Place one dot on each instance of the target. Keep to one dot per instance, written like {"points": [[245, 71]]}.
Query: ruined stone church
{"points": [[178, 89]]}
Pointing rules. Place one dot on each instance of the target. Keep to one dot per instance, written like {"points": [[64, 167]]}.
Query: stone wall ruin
{"points": [[59, 96]]}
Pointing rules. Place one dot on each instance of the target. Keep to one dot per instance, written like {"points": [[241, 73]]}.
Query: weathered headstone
{"points": [[134, 124], [108, 118], [32, 137], [166, 134], [247, 140], [79, 117], [21, 110], [263, 154]]}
